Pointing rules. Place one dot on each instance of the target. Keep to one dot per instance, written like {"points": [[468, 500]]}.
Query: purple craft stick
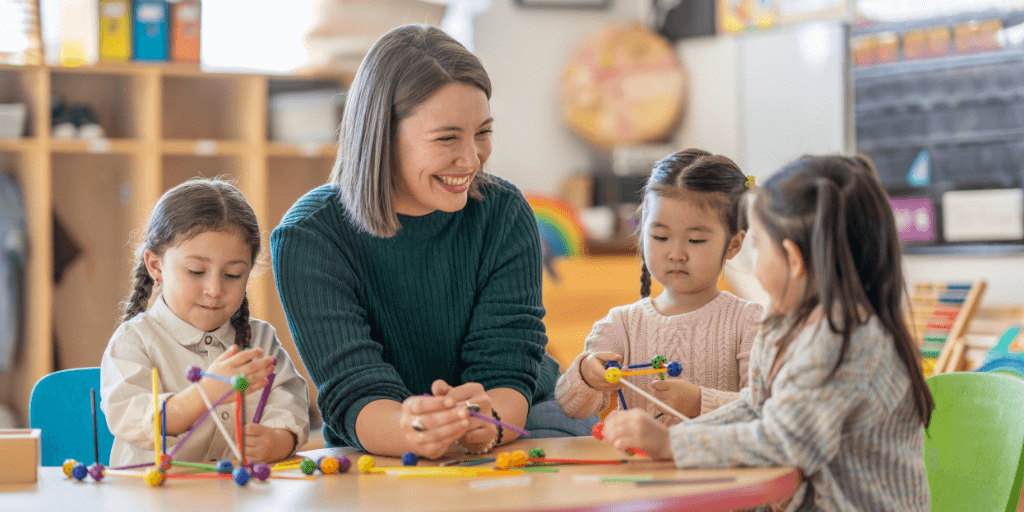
{"points": [[134, 467], [501, 423], [263, 398], [200, 420]]}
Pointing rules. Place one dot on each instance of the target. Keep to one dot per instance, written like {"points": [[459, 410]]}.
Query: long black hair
{"points": [[837, 213]]}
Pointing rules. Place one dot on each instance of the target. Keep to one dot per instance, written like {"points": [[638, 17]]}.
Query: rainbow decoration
{"points": [[558, 225]]}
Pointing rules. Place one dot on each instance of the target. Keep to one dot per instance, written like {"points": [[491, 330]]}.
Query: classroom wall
{"points": [[762, 98], [525, 51]]}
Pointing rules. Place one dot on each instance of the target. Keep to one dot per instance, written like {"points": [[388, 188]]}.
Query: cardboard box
{"points": [[19, 451]]}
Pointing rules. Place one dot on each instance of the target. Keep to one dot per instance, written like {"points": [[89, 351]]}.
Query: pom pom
{"points": [[612, 364], [240, 475], [240, 384], [96, 471], [344, 464], [537, 453], [409, 459], [165, 462], [68, 464], [365, 463], [612, 375], [658, 362], [194, 374], [327, 465], [518, 459], [261, 471], [598, 431], [503, 460], [79, 471], [154, 477], [674, 369], [307, 466], [225, 467]]}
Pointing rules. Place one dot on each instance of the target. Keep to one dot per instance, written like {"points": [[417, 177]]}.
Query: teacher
{"points": [[412, 280]]}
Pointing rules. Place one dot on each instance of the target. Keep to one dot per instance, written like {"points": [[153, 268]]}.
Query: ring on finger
{"points": [[418, 426], [472, 407]]}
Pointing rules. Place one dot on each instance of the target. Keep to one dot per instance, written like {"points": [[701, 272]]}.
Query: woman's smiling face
{"points": [[441, 148]]}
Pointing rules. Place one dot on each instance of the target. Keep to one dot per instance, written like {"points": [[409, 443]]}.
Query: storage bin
{"points": [[306, 116], [12, 120]]}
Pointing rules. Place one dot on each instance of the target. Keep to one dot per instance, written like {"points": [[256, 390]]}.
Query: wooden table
{"points": [[375, 492]]}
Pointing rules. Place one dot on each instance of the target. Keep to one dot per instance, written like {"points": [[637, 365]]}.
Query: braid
{"points": [[139, 298], [240, 321], [645, 281]]}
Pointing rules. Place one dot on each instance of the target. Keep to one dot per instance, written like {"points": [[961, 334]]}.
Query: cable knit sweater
{"points": [[712, 344]]}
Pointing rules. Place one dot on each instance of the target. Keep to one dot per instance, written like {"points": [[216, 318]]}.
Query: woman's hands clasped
{"points": [[432, 423]]}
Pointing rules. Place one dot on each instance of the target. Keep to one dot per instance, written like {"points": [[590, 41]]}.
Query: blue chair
{"points": [[60, 407]]}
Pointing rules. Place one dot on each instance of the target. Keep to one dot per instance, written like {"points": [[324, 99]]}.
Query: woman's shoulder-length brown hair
{"points": [[402, 69]]}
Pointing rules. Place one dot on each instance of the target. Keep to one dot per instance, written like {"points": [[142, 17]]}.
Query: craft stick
{"points": [[457, 462], [640, 365], [622, 398], [200, 420], [642, 372], [114, 472], [215, 376], [209, 467], [163, 427], [220, 426], [655, 400], [532, 469], [199, 476], [501, 423], [239, 433], [263, 398], [156, 418], [574, 461], [95, 437], [687, 481], [136, 466]]}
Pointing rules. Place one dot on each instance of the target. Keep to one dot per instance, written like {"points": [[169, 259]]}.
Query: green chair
{"points": [[974, 447], [59, 406]]}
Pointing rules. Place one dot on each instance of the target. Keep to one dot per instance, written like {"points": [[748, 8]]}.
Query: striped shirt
{"points": [[857, 439]]}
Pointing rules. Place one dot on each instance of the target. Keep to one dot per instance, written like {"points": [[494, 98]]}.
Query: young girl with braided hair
{"points": [[692, 222], [201, 244]]}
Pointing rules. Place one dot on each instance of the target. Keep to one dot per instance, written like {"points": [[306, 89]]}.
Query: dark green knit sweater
{"points": [[453, 296]]}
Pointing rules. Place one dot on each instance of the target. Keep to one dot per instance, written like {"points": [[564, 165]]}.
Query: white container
{"points": [[12, 120], [307, 116]]}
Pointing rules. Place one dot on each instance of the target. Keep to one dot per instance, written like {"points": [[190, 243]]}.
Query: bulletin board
{"points": [[939, 107]]}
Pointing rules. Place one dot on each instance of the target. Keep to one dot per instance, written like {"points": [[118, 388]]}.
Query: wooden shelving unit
{"points": [[165, 124]]}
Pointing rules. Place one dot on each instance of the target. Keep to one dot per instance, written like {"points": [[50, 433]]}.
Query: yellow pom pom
{"points": [[365, 463], [68, 464], [612, 375], [503, 460], [154, 477]]}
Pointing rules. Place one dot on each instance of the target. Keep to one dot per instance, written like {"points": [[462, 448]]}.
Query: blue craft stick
{"points": [[639, 365], [622, 399]]}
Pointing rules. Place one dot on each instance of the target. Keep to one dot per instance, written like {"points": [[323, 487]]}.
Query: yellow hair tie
{"points": [[750, 181]]}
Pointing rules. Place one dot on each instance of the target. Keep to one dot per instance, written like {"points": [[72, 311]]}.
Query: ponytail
{"points": [[645, 281], [240, 321], [143, 288]]}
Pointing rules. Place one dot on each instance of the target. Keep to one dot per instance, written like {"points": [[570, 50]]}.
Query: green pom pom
{"points": [[537, 453], [240, 383]]}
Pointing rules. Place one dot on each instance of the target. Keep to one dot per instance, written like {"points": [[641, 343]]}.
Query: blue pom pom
{"points": [[79, 471], [675, 369], [224, 467], [241, 476], [612, 364], [409, 459]]}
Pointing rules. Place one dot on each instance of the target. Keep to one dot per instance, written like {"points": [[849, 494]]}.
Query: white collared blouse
{"points": [[159, 338]]}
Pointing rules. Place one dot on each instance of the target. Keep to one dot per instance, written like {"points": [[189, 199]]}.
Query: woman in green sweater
{"points": [[413, 272]]}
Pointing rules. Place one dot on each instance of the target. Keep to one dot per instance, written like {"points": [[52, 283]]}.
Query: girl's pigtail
{"points": [[645, 281], [139, 298], [240, 321]]}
